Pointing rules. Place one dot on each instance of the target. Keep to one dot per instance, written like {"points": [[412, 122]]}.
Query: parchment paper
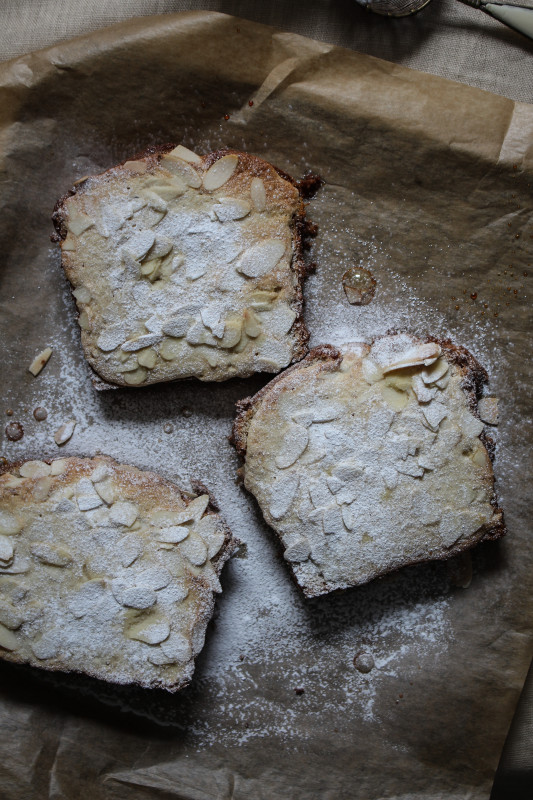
{"points": [[428, 184]]}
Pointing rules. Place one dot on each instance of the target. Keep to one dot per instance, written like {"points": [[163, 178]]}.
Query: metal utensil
{"points": [[519, 18]]}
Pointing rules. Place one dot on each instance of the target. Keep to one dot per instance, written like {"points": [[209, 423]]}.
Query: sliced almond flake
{"points": [[199, 334], [173, 534], [47, 646], [220, 172], [293, 445], [147, 340], [123, 513], [50, 554], [319, 411], [212, 318], [58, 466], [64, 432], [139, 597], [194, 550], [215, 542], [140, 243], [372, 373], [86, 502], [177, 646], [347, 517], [258, 194], [299, 551], [35, 469], [195, 269], [194, 510], [70, 243], [8, 640], [423, 393], [333, 521], [130, 547], [279, 320], [155, 201], [39, 361], [147, 358], [169, 191], [319, 493], [82, 294], [443, 382], [6, 549], [334, 484], [471, 426], [151, 630], [252, 324], [283, 492], [136, 377], [488, 410], [187, 155], [177, 326], [434, 413], [9, 523], [78, 222], [262, 301], [138, 167], [232, 332], [183, 170], [425, 354], [261, 258], [436, 372], [411, 468], [111, 338], [231, 208]]}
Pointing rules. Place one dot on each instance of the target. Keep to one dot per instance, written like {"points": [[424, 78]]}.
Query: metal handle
{"points": [[519, 18]]}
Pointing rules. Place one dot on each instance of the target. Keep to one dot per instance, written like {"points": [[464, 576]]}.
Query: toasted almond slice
{"points": [[64, 432], [78, 222], [147, 358], [183, 170], [294, 443], [39, 361], [231, 208], [187, 155], [111, 338], [220, 172], [147, 340], [261, 258], [152, 630], [258, 194], [136, 376], [423, 354], [35, 469], [300, 550], [138, 167], [8, 640], [82, 294]]}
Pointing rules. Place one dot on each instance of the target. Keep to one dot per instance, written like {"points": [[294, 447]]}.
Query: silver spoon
{"points": [[520, 18]]}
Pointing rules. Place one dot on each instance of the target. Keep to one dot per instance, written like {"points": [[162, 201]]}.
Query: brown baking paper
{"points": [[427, 183]]}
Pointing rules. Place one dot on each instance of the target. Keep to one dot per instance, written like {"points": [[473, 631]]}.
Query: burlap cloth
{"points": [[446, 39]]}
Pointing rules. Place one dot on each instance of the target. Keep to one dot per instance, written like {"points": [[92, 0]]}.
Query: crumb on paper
{"points": [[40, 361], [64, 432]]}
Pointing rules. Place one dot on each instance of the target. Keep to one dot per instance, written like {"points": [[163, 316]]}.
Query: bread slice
{"points": [[186, 266], [106, 570], [367, 458]]}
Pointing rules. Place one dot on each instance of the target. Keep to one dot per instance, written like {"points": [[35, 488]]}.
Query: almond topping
{"points": [[258, 194], [64, 432], [39, 361], [187, 155], [261, 258], [220, 172]]}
